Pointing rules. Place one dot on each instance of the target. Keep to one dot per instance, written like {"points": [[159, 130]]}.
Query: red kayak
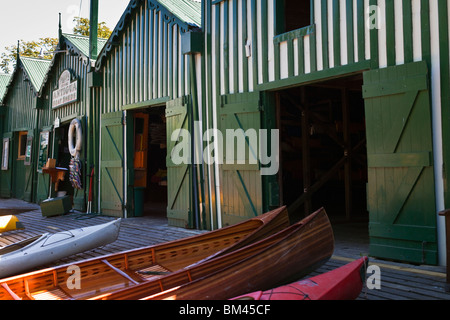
{"points": [[344, 283]]}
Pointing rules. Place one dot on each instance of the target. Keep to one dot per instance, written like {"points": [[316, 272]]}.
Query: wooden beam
{"points": [[306, 158], [348, 153], [318, 184]]}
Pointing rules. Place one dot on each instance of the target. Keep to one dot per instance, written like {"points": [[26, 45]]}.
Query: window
{"points": [[293, 14], [22, 145]]}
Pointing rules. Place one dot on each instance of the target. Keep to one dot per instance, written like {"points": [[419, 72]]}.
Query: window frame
{"points": [[22, 146]]}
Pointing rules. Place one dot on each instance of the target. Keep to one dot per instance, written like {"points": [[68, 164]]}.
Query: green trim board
{"points": [[143, 104]]}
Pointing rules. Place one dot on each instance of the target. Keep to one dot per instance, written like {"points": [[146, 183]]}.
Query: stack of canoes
{"points": [[254, 255]]}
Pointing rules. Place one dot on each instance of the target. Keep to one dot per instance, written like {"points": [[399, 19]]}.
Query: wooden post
{"points": [[446, 214], [306, 161], [347, 154]]}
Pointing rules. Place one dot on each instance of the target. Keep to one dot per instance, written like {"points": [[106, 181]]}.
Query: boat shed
{"points": [[149, 89], [4, 81], [349, 96], [359, 91], [66, 95], [20, 107]]}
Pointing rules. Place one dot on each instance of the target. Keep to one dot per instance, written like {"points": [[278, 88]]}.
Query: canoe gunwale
{"points": [[259, 248], [275, 219]]}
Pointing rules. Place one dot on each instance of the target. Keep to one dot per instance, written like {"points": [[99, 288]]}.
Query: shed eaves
{"points": [[188, 11], [4, 81], [82, 43], [36, 70]]}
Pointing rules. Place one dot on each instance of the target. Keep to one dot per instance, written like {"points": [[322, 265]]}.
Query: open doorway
{"points": [[323, 148], [63, 157], [150, 171]]}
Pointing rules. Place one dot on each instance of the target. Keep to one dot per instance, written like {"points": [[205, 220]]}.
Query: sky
{"points": [[33, 19]]}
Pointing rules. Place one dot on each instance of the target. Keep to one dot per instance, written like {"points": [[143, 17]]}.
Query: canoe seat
{"points": [[54, 294], [153, 272]]}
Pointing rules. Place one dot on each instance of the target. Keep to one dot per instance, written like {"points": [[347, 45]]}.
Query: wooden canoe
{"points": [[10, 223], [37, 251], [112, 272], [344, 283], [281, 258]]}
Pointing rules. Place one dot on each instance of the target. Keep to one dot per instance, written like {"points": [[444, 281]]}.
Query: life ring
{"points": [[75, 126]]}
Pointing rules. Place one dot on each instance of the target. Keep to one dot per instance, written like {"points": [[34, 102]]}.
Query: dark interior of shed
{"points": [[295, 14], [150, 162], [323, 148], [63, 158]]}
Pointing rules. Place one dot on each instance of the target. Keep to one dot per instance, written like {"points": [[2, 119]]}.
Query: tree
{"points": [[44, 46], [83, 24], [26, 49]]}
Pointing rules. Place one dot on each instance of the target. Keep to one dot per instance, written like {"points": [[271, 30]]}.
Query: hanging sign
{"points": [[67, 91]]}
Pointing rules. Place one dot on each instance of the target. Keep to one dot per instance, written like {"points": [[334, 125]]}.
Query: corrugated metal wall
{"points": [[78, 67], [147, 63], [21, 102]]}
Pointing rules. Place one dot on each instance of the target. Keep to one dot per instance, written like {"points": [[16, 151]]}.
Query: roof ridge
{"points": [[35, 58], [81, 36]]}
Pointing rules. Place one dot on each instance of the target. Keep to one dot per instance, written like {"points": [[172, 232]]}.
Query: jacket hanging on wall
{"points": [[76, 134], [75, 173]]}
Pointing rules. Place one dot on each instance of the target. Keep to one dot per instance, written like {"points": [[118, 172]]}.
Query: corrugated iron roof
{"points": [[4, 80], [186, 10], [36, 70], [82, 42]]}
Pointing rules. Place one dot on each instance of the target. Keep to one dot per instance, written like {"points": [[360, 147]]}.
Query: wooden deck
{"points": [[398, 281]]}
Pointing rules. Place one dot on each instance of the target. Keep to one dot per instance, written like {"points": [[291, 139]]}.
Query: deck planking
{"points": [[398, 281]]}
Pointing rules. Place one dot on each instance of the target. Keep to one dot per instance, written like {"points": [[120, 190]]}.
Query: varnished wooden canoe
{"points": [[280, 258], [343, 283], [130, 268], [43, 249]]}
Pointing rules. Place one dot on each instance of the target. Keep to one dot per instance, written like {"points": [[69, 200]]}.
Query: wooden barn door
{"points": [[401, 197], [112, 191], [179, 197], [241, 180]]}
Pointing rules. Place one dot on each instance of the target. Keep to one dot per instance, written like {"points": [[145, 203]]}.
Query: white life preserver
{"points": [[74, 150]]}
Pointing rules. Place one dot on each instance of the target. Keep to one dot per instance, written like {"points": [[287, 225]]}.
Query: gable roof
{"points": [[4, 81], [82, 43], [36, 70], [74, 43], [187, 13]]}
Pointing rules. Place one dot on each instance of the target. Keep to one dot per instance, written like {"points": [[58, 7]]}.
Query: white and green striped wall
{"points": [[144, 64], [245, 53]]}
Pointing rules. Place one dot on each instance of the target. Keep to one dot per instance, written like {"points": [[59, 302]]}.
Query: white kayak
{"points": [[43, 249]]}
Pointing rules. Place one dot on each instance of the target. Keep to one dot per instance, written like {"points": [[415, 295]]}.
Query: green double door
{"points": [[400, 193], [117, 171]]}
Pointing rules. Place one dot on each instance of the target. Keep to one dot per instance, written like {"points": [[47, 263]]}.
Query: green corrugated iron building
{"points": [[4, 81], [32, 124], [20, 108], [357, 90], [148, 91], [71, 58]]}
